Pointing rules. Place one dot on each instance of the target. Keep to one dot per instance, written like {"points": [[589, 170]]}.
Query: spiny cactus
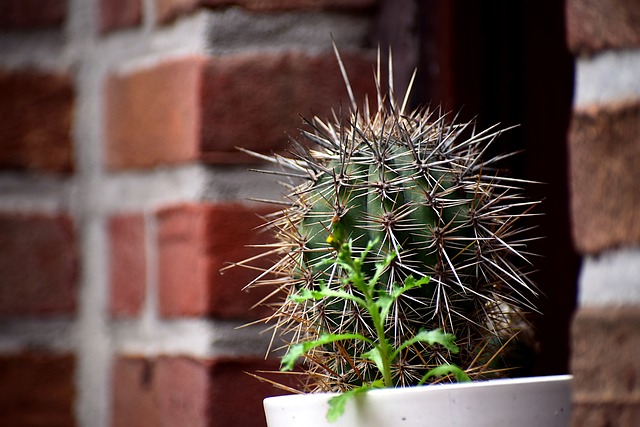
{"points": [[418, 185]]}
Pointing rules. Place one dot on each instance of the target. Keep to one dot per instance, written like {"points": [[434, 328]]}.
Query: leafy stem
{"points": [[377, 303]]}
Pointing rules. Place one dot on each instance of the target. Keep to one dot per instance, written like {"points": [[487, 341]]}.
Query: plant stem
{"points": [[383, 345], [384, 348]]}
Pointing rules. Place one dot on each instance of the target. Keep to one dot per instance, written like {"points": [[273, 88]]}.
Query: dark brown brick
{"points": [[595, 25], [606, 366], [263, 5], [268, 93], [605, 414], [37, 390], [32, 14], [36, 116], [168, 10], [38, 265], [604, 145], [117, 14], [237, 396]]}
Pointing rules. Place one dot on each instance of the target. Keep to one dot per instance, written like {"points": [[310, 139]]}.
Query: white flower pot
{"points": [[521, 402]]}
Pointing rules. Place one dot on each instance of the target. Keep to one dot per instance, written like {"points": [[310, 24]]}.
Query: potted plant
{"points": [[400, 261]]}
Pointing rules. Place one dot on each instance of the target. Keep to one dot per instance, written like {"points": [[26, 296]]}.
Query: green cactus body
{"points": [[417, 185]]}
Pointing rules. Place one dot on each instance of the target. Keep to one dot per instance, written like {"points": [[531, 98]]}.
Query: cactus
{"points": [[416, 183]]}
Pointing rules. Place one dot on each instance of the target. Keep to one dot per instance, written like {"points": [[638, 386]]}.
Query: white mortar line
{"points": [[148, 14], [164, 186], [93, 352], [34, 193], [55, 334], [94, 347], [612, 278], [149, 315], [201, 338], [610, 76], [235, 30]]}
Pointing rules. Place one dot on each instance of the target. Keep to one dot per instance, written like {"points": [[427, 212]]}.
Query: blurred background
{"points": [[122, 193]]}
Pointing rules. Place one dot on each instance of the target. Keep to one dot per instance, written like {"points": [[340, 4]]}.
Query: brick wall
{"points": [[122, 195], [604, 143]]}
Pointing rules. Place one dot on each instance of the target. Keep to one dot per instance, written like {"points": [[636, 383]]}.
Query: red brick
{"points": [[606, 367], [195, 241], [187, 391], [127, 264], [264, 5], [36, 120], [604, 143], [133, 401], [595, 25], [268, 92], [29, 14], [236, 396], [167, 10], [191, 109], [38, 265], [184, 391], [116, 14], [152, 115], [37, 390]]}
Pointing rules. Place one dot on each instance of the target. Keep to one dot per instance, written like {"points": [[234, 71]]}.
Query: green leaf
{"points": [[305, 295], [380, 268], [338, 404], [435, 336], [375, 356], [443, 370], [324, 292], [410, 282], [345, 255], [295, 351], [384, 303]]}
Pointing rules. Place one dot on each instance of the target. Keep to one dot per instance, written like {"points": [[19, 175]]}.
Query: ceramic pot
{"points": [[521, 402]]}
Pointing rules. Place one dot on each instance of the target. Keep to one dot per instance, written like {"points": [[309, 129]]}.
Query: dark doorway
{"points": [[505, 62]]}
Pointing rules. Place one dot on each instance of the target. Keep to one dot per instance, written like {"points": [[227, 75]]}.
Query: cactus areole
{"points": [[417, 184]]}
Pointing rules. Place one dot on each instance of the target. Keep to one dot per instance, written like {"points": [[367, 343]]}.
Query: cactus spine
{"points": [[417, 184]]}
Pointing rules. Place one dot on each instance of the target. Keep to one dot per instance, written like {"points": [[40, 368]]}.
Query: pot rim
{"points": [[434, 388]]}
